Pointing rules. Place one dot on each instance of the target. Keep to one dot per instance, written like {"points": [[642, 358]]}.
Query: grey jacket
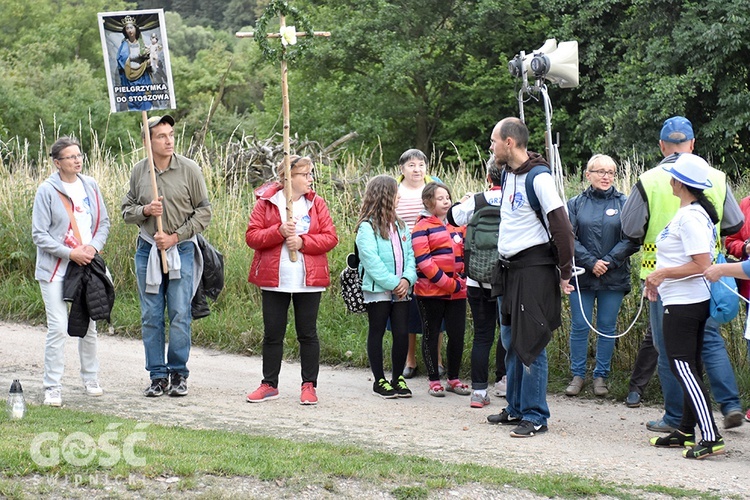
{"points": [[50, 222]]}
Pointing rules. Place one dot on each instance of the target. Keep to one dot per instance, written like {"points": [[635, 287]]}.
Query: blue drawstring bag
{"points": [[725, 303]]}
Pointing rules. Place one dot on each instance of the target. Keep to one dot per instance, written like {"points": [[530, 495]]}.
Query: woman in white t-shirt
{"points": [[69, 223], [684, 250], [411, 182]]}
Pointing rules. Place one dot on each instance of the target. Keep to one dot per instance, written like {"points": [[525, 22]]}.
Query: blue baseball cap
{"points": [[676, 130]]}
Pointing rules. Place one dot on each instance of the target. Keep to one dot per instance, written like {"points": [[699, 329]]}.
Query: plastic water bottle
{"points": [[16, 402]]}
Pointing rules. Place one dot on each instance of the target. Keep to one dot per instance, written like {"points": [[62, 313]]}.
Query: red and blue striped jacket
{"points": [[439, 252]]}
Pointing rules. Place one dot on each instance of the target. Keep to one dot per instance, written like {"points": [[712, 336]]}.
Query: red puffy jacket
{"points": [[263, 236], [735, 244]]}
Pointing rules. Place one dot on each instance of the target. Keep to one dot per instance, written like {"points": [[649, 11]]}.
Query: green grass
{"points": [[188, 453]]}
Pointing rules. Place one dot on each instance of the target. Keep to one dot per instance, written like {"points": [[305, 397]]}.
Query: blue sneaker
{"points": [[633, 400], [659, 426]]}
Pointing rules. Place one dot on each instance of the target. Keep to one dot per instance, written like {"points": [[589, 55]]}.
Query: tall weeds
{"points": [[235, 323]]}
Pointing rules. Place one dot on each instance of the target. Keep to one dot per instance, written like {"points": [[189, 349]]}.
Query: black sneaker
{"points": [[527, 429], [383, 389], [675, 439], [705, 449], [402, 390], [503, 418], [157, 388], [177, 385]]}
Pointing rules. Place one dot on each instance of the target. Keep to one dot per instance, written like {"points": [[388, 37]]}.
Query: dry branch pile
{"points": [[252, 160]]}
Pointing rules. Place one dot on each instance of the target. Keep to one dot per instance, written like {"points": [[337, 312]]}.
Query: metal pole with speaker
{"points": [[558, 64]]}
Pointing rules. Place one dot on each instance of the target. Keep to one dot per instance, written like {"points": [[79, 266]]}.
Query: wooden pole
{"points": [[285, 114], [287, 164], [154, 187], [250, 34]]}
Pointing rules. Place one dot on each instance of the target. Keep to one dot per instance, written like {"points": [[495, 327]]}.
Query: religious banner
{"points": [[136, 60]]}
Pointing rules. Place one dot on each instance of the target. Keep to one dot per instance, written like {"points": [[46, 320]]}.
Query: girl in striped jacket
{"points": [[441, 286]]}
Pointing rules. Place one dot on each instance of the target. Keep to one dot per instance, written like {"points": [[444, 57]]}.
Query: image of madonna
{"points": [[133, 61]]}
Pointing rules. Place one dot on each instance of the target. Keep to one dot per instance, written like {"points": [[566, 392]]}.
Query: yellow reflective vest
{"points": [[663, 205]]}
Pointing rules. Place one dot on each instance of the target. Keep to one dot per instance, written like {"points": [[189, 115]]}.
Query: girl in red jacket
{"points": [[311, 234], [441, 286]]}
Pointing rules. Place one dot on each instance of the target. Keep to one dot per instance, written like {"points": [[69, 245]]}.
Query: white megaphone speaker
{"points": [[559, 67], [520, 65]]}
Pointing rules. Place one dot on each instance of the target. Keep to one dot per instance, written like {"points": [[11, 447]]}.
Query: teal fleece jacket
{"points": [[377, 263]]}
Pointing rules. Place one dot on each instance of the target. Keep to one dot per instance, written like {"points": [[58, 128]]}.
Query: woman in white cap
{"points": [[684, 250]]}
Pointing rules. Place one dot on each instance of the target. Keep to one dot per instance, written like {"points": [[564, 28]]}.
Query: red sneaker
{"points": [[263, 393], [308, 396], [747, 416]]}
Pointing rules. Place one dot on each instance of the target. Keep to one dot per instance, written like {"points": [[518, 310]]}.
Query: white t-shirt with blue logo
{"points": [[689, 233], [292, 274], [520, 228]]}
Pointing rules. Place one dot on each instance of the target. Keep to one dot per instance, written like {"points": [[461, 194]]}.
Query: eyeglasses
{"points": [[604, 173], [72, 157], [309, 175]]}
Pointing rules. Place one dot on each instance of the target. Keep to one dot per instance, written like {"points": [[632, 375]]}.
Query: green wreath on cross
{"points": [[289, 52]]}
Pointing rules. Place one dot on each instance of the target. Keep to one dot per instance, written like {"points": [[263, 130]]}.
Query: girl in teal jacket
{"points": [[388, 270]]}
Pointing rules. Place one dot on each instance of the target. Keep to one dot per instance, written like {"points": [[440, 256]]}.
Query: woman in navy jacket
{"points": [[603, 251]]}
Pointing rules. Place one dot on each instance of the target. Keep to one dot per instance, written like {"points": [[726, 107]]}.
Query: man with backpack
{"points": [[535, 249], [481, 215]]}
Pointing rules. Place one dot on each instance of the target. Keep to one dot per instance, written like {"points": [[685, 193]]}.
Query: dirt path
{"points": [[593, 438]]}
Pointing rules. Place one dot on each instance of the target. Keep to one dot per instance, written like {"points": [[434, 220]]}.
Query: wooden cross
{"points": [[285, 112]]}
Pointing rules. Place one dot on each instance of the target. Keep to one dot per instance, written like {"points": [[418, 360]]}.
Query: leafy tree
{"points": [[186, 40], [51, 74], [643, 61], [397, 71], [241, 14]]}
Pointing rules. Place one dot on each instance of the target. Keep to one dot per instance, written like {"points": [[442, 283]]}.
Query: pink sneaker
{"points": [[747, 416], [263, 393], [308, 396]]}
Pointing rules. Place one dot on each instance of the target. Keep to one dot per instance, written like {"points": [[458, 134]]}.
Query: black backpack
{"points": [[533, 199], [480, 242]]}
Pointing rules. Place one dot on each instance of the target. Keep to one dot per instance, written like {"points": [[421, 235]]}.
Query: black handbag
{"points": [[351, 284]]}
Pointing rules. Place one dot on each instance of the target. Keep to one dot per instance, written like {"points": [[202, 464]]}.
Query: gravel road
{"points": [[600, 438]]}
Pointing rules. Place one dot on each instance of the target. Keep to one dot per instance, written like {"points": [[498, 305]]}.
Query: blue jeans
{"points": [[607, 308], [526, 386], [176, 295], [715, 362]]}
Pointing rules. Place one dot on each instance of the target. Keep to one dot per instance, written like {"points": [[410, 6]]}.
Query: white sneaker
{"points": [[53, 396], [501, 387], [93, 388]]}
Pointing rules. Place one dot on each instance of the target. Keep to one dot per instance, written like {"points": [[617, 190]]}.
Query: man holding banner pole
{"points": [[167, 198], [183, 205]]}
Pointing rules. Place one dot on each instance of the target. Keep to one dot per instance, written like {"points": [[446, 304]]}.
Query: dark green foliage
{"points": [[643, 61], [412, 74], [408, 73]]}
